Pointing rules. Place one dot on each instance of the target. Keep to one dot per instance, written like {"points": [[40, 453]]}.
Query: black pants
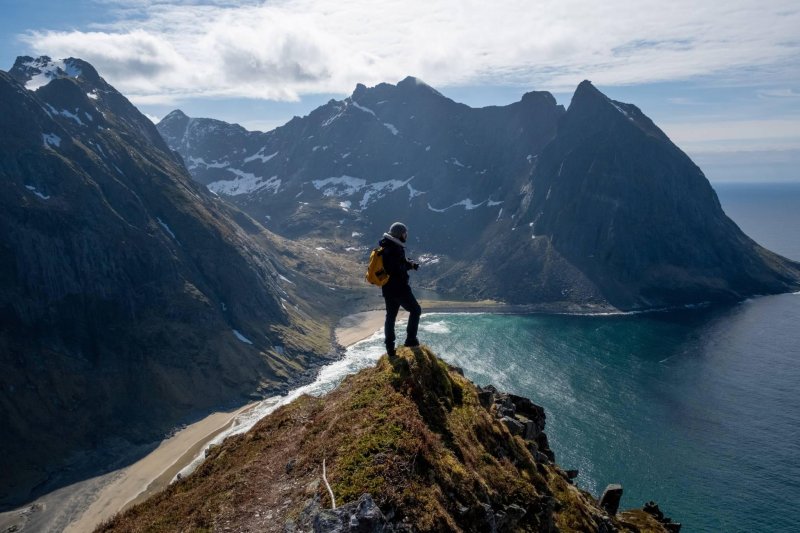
{"points": [[405, 299]]}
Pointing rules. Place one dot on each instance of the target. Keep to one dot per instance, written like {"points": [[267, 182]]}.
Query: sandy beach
{"points": [[153, 472], [83, 506], [360, 326], [357, 327]]}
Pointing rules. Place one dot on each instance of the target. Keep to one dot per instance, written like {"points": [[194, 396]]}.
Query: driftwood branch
{"points": [[325, 479]]}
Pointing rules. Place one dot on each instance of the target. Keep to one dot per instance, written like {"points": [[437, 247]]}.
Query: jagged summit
{"points": [[433, 451], [587, 99], [175, 114], [409, 86], [413, 83], [35, 73]]}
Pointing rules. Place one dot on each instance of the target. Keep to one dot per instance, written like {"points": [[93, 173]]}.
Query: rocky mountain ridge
{"points": [[131, 298], [587, 208], [408, 445]]}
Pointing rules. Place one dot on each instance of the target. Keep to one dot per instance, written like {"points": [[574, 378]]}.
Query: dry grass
{"points": [[411, 432]]}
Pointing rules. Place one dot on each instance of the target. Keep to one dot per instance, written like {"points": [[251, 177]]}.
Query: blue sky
{"points": [[722, 79]]}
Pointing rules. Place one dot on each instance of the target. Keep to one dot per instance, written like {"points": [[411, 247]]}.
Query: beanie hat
{"points": [[398, 229]]}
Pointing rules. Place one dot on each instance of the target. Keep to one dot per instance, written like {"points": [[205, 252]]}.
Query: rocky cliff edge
{"points": [[408, 445]]}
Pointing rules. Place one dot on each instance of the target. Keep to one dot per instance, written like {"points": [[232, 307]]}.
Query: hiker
{"points": [[396, 291]]}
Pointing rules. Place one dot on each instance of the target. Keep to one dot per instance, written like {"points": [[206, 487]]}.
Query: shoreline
{"points": [[153, 472], [362, 325]]}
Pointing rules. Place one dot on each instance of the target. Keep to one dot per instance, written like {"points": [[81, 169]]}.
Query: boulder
{"points": [[611, 498], [529, 410], [363, 516], [651, 508], [514, 426], [486, 398]]}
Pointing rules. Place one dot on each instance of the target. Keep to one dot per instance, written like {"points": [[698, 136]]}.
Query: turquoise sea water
{"points": [[698, 410]]}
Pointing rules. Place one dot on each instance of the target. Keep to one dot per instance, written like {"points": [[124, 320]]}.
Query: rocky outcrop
{"points": [[410, 445], [362, 515], [611, 497]]}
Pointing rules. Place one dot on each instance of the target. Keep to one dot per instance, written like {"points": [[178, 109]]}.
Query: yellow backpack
{"points": [[375, 271]]}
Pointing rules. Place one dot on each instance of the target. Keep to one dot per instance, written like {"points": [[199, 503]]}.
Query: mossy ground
{"points": [[409, 431]]}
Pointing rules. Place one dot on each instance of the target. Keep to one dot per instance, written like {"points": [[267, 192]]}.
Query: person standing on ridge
{"points": [[397, 291]]}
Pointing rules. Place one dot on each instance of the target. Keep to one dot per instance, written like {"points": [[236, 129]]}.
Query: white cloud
{"points": [[779, 93], [154, 119], [735, 135], [278, 50]]}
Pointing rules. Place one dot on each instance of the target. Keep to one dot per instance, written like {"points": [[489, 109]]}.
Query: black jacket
{"points": [[396, 265]]}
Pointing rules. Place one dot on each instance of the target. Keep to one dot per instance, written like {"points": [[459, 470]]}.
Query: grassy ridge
{"points": [[411, 432]]}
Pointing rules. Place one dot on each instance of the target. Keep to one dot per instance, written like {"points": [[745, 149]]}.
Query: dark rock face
{"points": [[637, 217], [653, 510], [522, 417], [529, 203], [611, 498], [126, 289], [359, 164]]}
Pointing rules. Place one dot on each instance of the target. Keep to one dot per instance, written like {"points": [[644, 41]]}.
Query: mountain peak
{"points": [[34, 73], [538, 96], [175, 114], [586, 92], [413, 83]]}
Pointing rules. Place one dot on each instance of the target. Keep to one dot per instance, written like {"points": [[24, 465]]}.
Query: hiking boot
{"points": [[411, 343], [390, 351]]}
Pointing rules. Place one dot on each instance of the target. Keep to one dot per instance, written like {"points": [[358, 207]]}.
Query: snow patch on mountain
{"points": [[260, 155], [37, 193], [364, 109], [338, 112], [339, 186], [349, 186], [244, 183], [46, 70], [621, 109], [412, 192], [391, 128], [468, 205], [195, 162], [167, 228], [67, 114], [378, 190], [51, 139], [242, 337]]}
